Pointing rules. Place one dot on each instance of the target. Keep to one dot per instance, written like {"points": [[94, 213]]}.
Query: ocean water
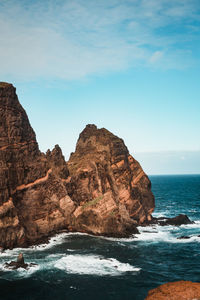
{"points": [[80, 266]]}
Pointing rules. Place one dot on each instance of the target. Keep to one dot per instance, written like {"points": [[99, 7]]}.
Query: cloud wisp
{"points": [[70, 40]]}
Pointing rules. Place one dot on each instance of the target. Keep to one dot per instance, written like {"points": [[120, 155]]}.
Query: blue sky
{"points": [[132, 66]]}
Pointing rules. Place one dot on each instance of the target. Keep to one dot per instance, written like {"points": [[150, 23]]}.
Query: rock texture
{"points": [[14, 265], [112, 192], [101, 190], [180, 290], [176, 221], [33, 199]]}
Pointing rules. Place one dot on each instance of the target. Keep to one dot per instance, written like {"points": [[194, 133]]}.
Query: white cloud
{"points": [[73, 39], [156, 56]]}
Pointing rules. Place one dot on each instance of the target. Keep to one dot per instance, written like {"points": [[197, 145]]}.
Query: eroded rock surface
{"points": [[112, 192], [101, 190], [33, 197], [180, 290]]}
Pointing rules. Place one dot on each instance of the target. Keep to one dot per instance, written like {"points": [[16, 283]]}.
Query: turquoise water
{"points": [[78, 266]]}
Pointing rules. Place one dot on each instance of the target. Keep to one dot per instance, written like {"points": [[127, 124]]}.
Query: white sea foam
{"points": [[155, 233], [20, 272], [195, 225], [93, 265], [53, 241], [159, 214], [168, 233]]}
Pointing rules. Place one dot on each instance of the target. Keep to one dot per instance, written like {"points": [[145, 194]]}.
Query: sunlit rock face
{"points": [[101, 190], [111, 190], [33, 196]]}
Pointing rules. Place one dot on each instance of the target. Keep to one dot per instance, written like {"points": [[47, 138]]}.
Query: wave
{"points": [[153, 233], [53, 241], [170, 233], [20, 272], [93, 265], [195, 225]]}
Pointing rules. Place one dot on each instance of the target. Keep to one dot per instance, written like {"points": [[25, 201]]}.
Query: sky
{"points": [[131, 66]]}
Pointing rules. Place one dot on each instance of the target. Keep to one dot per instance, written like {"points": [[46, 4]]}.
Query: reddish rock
{"points": [[180, 290], [33, 198], [101, 190], [112, 192]]}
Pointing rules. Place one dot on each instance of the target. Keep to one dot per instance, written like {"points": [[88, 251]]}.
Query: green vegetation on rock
{"points": [[93, 202]]}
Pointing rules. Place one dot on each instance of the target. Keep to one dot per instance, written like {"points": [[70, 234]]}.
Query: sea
{"points": [[85, 267]]}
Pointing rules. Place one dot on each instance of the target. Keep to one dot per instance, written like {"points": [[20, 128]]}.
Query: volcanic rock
{"points": [[180, 290], [33, 200], [112, 192], [101, 190], [19, 263], [20, 259], [176, 221]]}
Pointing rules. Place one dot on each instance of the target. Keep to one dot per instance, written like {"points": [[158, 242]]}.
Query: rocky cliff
{"points": [[33, 199], [101, 190], [111, 190]]}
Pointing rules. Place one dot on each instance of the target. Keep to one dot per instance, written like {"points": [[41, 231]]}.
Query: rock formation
{"points": [[108, 185], [14, 265], [33, 199], [176, 221], [101, 190], [180, 290]]}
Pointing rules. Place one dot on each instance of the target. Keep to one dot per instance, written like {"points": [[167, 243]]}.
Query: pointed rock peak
{"points": [[8, 93], [89, 129], [57, 151], [5, 85], [99, 142], [56, 156], [102, 136], [92, 130]]}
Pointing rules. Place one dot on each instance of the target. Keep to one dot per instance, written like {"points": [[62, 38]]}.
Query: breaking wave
{"points": [[93, 265]]}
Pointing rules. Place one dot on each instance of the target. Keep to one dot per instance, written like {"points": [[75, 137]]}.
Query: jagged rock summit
{"points": [[101, 190]]}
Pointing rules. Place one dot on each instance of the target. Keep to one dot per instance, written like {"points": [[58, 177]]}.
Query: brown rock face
{"points": [[33, 196], [111, 190], [101, 190], [180, 290]]}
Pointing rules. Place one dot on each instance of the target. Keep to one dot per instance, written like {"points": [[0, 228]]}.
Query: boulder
{"points": [[180, 290], [176, 221]]}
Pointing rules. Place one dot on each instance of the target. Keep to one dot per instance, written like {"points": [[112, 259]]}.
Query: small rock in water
{"points": [[176, 221], [20, 259], [19, 263], [183, 237]]}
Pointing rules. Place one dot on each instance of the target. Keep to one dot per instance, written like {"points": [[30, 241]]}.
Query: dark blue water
{"points": [[78, 267]]}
